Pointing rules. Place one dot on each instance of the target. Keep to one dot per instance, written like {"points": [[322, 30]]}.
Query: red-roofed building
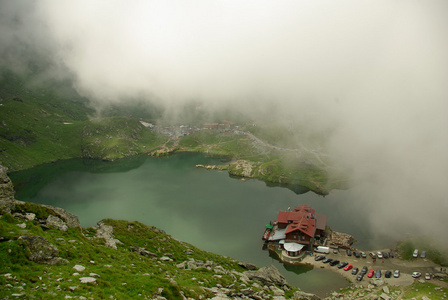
{"points": [[302, 225]]}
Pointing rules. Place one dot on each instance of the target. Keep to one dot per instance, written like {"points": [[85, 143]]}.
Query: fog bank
{"points": [[374, 72]]}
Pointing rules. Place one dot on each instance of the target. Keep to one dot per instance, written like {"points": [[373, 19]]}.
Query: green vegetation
{"points": [[419, 290], [45, 121], [433, 251], [119, 272]]}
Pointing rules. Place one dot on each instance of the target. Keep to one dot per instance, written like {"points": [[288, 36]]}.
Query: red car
{"points": [[371, 273], [348, 267]]}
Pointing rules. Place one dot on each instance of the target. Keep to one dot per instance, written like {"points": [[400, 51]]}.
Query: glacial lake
{"points": [[206, 208]]}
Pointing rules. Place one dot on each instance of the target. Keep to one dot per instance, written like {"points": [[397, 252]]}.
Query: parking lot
{"points": [[406, 267]]}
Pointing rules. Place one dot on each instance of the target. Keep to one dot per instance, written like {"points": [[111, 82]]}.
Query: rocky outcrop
{"points": [[41, 251], [70, 220], [243, 168], [56, 223], [6, 192], [267, 276], [342, 240], [104, 231], [142, 251], [247, 266], [305, 296]]}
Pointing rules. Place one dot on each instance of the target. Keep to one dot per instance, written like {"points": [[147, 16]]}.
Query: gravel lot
{"points": [[406, 268]]}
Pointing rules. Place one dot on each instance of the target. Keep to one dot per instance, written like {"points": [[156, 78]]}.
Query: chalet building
{"points": [[211, 125], [300, 226]]}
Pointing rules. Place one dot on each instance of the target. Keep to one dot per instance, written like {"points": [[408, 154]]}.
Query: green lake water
{"points": [[206, 208]]}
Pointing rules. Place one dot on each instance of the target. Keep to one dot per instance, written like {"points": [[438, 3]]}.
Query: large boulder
{"points": [[69, 219], [55, 222], [6, 192], [41, 251], [267, 276]]}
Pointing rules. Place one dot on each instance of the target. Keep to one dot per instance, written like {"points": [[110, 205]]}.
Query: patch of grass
{"points": [[419, 290]]}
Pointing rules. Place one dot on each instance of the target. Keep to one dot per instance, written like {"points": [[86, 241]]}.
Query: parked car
{"points": [[342, 264], [319, 257], [379, 255], [334, 262], [391, 254], [378, 273], [348, 267], [427, 276], [385, 254], [355, 271], [415, 253], [349, 252], [364, 270], [363, 254], [356, 254], [397, 273], [416, 274], [423, 255], [388, 274], [372, 255], [360, 276], [371, 272], [327, 260]]}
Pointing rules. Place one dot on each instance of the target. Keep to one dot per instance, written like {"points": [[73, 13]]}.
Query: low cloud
{"points": [[374, 72]]}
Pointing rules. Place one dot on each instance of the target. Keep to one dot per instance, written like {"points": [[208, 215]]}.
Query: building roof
{"points": [[321, 221], [302, 218], [293, 247]]}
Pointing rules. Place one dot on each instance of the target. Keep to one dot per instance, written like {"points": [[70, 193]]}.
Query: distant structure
{"points": [[222, 125], [296, 231]]}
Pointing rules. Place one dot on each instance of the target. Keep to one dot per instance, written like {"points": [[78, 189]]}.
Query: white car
{"points": [[427, 276], [379, 255], [416, 274], [397, 273], [415, 253]]}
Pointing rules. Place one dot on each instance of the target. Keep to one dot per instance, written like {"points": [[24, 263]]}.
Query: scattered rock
{"points": [[56, 223], [87, 279], [21, 225], [70, 220], [385, 297], [79, 268], [105, 232], [386, 289], [305, 296], [142, 251], [342, 240], [247, 266], [267, 275], [41, 251], [165, 258], [6, 192]]}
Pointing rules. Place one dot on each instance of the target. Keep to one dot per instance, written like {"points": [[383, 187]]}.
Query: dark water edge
{"points": [[203, 207]]}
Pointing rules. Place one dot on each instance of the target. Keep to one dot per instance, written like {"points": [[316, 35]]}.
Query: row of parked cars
{"points": [[422, 255], [362, 273], [378, 254], [381, 255]]}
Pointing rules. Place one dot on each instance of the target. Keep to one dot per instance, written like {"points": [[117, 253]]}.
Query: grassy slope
{"points": [[271, 165], [32, 132], [33, 127], [123, 274]]}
